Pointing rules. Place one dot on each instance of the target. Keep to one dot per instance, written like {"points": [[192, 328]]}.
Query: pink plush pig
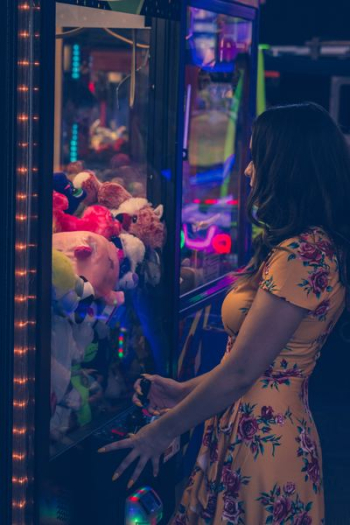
{"points": [[96, 259]]}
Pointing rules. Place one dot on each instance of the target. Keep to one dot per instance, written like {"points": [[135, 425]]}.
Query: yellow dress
{"points": [[260, 460]]}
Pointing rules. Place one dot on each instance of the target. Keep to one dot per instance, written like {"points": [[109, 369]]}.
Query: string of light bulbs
{"points": [[28, 64]]}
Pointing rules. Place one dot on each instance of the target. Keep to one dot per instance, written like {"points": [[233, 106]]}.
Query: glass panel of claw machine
{"points": [[106, 236], [218, 63]]}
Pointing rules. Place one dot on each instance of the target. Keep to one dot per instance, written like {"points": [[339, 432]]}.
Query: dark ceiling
{"points": [[296, 21]]}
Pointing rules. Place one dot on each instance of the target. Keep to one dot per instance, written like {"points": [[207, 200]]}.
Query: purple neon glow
{"points": [[187, 115], [201, 244]]}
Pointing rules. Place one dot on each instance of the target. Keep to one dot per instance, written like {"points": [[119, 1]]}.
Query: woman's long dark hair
{"points": [[302, 166]]}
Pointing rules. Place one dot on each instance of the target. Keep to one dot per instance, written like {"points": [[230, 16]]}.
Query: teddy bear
{"points": [[95, 218], [136, 216], [94, 258]]}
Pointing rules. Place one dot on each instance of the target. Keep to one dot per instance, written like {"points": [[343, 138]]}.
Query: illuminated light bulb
{"points": [[24, 7], [23, 62], [21, 196], [21, 246], [20, 381], [19, 504], [22, 324], [19, 431], [24, 34], [20, 404], [20, 273], [23, 88], [21, 217], [20, 481], [22, 170], [21, 299], [23, 144], [20, 352], [18, 457]]}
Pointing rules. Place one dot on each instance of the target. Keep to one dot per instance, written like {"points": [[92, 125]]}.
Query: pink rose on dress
{"points": [[231, 511], [302, 519], [267, 412], [230, 480], [306, 442], [289, 488], [319, 281], [322, 309], [313, 469], [310, 252], [280, 419], [327, 248], [247, 427], [281, 509]]}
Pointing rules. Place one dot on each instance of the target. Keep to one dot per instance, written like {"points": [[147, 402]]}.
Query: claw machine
{"points": [[220, 76], [123, 210], [91, 110], [220, 93]]}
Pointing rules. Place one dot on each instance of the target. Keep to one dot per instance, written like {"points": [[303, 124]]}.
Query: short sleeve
{"points": [[300, 272]]}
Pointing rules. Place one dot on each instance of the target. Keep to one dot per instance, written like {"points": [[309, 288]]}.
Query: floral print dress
{"points": [[260, 460]]}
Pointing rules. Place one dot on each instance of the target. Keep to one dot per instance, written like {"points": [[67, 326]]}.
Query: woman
{"points": [[260, 460]]}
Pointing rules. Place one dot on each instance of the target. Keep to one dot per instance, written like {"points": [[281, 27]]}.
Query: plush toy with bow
{"points": [[94, 258]]}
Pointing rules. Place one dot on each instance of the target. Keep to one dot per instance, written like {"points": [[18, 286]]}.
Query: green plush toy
{"points": [[66, 286]]}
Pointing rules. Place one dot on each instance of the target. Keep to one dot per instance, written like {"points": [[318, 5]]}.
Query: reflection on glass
{"points": [[217, 80], [107, 239]]}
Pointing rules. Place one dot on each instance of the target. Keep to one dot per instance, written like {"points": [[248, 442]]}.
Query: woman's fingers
{"points": [[130, 458], [117, 445], [140, 466], [137, 387], [136, 400], [155, 463]]}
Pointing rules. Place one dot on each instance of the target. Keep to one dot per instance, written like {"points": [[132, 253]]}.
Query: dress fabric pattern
{"points": [[260, 460]]}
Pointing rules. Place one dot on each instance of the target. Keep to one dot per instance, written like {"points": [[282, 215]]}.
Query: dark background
{"points": [[288, 22]]}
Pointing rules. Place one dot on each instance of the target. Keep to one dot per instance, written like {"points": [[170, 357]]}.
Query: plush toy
{"points": [[94, 258], [63, 185], [88, 182], [112, 195], [67, 288], [95, 219], [134, 253], [138, 218], [64, 352]]}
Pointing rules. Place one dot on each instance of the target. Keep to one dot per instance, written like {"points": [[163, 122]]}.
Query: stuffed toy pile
{"points": [[105, 243]]}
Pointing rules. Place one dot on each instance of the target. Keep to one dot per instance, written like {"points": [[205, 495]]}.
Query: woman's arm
{"points": [[191, 384], [267, 329]]}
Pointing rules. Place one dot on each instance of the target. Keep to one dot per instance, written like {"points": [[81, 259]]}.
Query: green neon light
{"points": [[182, 242]]}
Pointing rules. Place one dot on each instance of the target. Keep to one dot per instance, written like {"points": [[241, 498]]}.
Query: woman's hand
{"points": [[148, 444], [164, 393]]}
